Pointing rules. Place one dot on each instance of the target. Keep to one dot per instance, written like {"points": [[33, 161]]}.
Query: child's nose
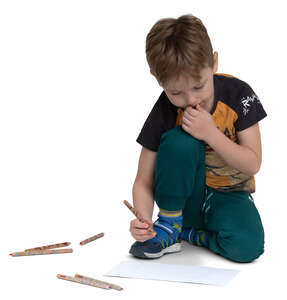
{"points": [[191, 101]]}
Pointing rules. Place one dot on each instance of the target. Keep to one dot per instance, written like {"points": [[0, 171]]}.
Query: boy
{"points": [[201, 149]]}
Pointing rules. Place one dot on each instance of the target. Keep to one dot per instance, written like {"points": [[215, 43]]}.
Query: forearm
{"points": [[143, 199], [239, 157]]}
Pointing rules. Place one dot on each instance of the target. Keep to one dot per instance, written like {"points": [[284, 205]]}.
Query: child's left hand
{"points": [[198, 122]]}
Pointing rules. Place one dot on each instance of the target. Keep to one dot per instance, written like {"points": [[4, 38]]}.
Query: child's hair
{"points": [[177, 47]]}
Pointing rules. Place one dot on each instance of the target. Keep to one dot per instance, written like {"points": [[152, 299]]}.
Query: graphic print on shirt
{"points": [[247, 102]]}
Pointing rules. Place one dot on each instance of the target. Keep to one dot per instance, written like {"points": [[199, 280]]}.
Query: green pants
{"points": [[231, 218]]}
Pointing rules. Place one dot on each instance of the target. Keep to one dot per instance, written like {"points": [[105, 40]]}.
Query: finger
{"points": [[142, 225], [141, 231], [143, 238], [149, 222], [191, 114], [194, 113], [186, 121], [184, 127], [199, 108], [137, 223], [188, 110], [188, 129]]}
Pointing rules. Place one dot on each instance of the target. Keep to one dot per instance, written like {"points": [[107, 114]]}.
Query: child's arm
{"points": [[143, 198], [245, 156]]}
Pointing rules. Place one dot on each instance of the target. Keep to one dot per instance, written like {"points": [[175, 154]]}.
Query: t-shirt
{"points": [[236, 107]]}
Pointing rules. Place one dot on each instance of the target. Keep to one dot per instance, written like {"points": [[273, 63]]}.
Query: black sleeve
{"points": [[153, 127], [249, 108]]}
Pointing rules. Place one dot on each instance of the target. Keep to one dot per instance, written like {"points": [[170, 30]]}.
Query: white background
{"points": [[75, 90]]}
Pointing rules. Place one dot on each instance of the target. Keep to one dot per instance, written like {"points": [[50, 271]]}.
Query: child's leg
{"points": [[180, 175], [179, 179], [234, 225]]}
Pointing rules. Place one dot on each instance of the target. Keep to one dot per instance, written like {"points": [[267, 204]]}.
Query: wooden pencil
{"points": [[95, 237], [111, 285], [137, 214], [42, 252], [60, 245], [84, 281]]}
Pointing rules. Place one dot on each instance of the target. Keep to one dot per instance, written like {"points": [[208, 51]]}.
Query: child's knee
{"points": [[179, 142], [242, 246]]}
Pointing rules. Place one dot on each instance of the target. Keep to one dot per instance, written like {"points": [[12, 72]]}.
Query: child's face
{"points": [[187, 92]]}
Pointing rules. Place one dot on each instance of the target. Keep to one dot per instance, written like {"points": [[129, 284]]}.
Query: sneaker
{"points": [[167, 240]]}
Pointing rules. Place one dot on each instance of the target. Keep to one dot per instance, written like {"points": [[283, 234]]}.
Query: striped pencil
{"points": [[41, 252], [95, 237], [84, 281], [60, 245], [137, 214], [111, 285]]}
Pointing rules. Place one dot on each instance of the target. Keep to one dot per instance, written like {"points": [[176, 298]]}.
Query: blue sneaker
{"points": [[167, 239]]}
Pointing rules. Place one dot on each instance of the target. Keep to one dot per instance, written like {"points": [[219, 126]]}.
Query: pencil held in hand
{"points": [[137, 214]]}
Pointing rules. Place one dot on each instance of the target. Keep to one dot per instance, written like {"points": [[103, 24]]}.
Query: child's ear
{"points": [[215, 62]]}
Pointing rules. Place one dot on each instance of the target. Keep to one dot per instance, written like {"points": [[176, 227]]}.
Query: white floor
{"points": [[36, 276]]}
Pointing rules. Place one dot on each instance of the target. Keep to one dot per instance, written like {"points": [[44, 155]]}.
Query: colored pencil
{"points": [[137, 214], [84, 281], [50, 246], [111, 285], [42, 252], [95, 237]]}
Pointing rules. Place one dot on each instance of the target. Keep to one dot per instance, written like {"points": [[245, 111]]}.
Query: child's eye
{"points": [[196, 88]]}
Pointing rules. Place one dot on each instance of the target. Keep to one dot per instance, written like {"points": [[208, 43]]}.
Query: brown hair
{"points": [[177, 47]]}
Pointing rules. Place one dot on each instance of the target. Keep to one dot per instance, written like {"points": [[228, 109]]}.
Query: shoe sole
{"points": [[171, 249]]}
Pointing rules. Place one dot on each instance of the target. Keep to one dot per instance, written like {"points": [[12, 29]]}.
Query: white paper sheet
{"points": [[171, 272]]}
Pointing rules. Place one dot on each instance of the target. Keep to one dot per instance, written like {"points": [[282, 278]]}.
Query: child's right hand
{"points": [[141, 231]]}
